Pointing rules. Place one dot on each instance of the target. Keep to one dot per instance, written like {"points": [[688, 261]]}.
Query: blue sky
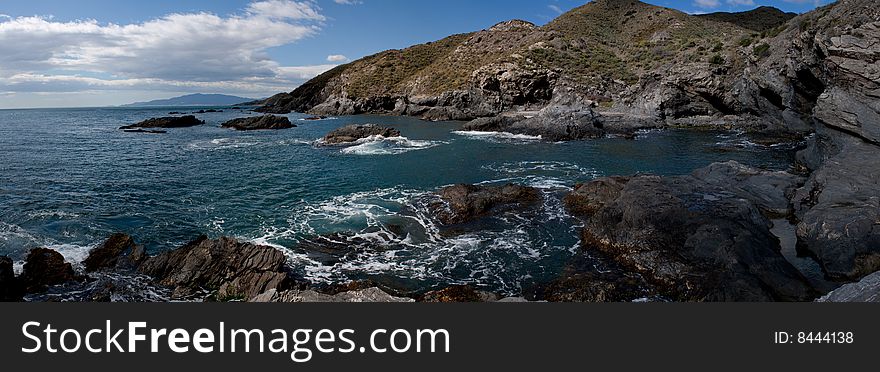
{"points": [[98, 52]]}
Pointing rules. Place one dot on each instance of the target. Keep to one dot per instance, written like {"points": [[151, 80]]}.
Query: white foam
{"points": [[498, 136], [380, 145]]}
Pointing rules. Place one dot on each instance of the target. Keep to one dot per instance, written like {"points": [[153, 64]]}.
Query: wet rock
{"points": [[362, 295], [464, 203], [235, 270], [352, 133], [167, 122], [771, 191], [867, 290], [10, 290], [315, 118], [119, 252], [44, 268], [594, 287], [265, 122], [693, 240], [460, 293]]}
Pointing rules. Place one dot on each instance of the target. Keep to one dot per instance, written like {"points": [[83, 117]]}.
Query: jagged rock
{"points": [[867, 290], [119, 252], [464, 203], [44, 268], [694, 240], [10, 290], [265, 122], [362, 295], [594, 287], [839, 210], [168, 122], [771, 191], [352, 133], [235, 270], [460, 293]]}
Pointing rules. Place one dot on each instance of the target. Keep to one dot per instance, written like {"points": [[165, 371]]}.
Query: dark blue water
{"points": [[69, 178]]}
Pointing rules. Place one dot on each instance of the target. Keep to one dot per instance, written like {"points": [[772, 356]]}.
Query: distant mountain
{"points": [[194, 100]]}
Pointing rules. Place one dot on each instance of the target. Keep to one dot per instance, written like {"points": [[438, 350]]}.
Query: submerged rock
{"points": [[692, 239], [352, 133], [362, 295], [460, 293], [44, 268], [464, 203], [867, 290], [167, 122], [119, 252], [237, 271], [10, 290], [265, 122]]}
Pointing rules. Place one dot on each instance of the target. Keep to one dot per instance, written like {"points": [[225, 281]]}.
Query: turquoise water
{"points": [[69, 178]]}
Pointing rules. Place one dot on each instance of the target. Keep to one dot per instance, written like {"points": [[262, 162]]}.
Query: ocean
{"points": [[69, 178]]}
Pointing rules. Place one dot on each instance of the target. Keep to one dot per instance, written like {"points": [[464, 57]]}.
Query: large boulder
{"points": [[167, 122], [235, 270], [771, 191], [362, 295], [44, 268], [464, 203], [355, 132], [9, 288], [265, 122], [867, 290], [119, 252], [694, 240]]}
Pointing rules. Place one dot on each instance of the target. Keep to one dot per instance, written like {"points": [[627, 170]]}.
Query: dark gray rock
{"points": [[117, 253], [236, 271], [265, 122], [458, 294], [44, 268], [771, 191], [355, 132], [167, 123], [10, 291], [362, 295], [693, 240], [464, 203], [867, 290]]}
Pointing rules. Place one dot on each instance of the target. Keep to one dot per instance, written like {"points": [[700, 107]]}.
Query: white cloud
{"points": [[181, 51], [741, 2], [555, 8], [337, 58], [706, 4], [348, 2]]}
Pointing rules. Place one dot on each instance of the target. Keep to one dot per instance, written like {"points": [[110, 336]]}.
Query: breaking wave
{"points": [[379, 145], [498, 137]]}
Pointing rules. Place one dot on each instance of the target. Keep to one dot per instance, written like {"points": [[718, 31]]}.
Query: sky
{"points": [[89, 53]]}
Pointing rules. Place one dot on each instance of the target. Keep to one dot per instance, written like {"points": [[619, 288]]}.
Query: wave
{"points": [[498, 137], [379, 145], [219, 144], [542, 174]]}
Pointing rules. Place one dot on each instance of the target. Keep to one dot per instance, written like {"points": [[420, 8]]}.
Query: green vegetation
{"points": [[762, 50], [717, 60]]}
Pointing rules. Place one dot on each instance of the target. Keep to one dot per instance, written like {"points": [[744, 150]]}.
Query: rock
{"points": [[315, 118], [266, 122], [363, 295], [867, 290], [44, 268], [839, 211], [692, 239], [167, 122], [117, 253], [771, 191], [145, 131], [237, 271], [594, 287], [355, 132], [464, 203], [10, 291], [460, 293]]}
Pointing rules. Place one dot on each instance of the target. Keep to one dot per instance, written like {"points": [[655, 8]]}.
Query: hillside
{"points": [[602, 48], [193, 100]]}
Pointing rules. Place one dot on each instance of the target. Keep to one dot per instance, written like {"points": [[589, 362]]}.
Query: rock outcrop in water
{"points": [[362, 295], [265, 122], [696, 238], [44, 268], [459, 293], [119, 252], [235, 270], [355, 132], [10, 290], [166, 123], [465, 203]]}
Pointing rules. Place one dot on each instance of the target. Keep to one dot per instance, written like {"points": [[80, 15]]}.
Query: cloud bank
{"points": [[176, 52]]}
